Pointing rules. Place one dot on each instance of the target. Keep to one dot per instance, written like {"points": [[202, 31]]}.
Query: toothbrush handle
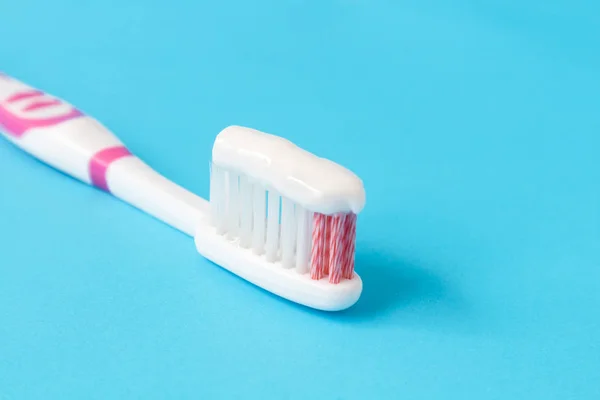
{"points": [[63, 137]]}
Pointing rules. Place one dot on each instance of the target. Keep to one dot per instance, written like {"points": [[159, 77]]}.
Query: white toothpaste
{"points": [[316, 183]]}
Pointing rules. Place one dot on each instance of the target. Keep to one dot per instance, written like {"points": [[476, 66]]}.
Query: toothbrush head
{"points": [[283, 219]]}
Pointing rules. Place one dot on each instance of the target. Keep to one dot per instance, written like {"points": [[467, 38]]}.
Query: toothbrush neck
{"points": [[133, 181]]}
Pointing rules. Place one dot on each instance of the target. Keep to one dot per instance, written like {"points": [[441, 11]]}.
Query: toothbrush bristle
{"points": [[288, 233], [303, 244], [317, 260], [262, 220], [333, 244], [336, 248], [327, 244], [259, 222], [272, 243], [349, 237], [245, 193]]}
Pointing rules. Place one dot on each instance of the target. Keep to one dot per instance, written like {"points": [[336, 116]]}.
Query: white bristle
{"points": [[259, 210], [233, 205], [217, 198], [246, 196], [288, 232], [304, 234], [260, 219], [272, 243], [214, 195], [214, 202]]}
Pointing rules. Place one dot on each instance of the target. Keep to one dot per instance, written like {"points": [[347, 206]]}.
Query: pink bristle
{"points": [[327, 249], [336, 248], [318, 247], [349, 245]]}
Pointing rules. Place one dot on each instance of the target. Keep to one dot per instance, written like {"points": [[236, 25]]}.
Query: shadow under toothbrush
{"points": [[395, 291], [403, 292], [390, 283]]}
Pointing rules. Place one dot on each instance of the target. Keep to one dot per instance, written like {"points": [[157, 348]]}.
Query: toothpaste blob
{"points": [[317, 184]]}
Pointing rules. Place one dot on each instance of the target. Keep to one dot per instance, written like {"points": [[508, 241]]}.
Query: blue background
{"points": [[474, 126]]}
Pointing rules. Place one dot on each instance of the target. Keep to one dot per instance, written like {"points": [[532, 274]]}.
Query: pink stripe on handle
{"points": [[24, 95], [15, 117], [42, 104], [101, 161]]}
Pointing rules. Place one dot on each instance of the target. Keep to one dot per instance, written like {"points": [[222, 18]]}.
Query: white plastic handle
{"points": [[63, 137]]}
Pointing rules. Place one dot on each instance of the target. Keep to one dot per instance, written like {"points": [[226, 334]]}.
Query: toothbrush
{"points": [[278, 216]]}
